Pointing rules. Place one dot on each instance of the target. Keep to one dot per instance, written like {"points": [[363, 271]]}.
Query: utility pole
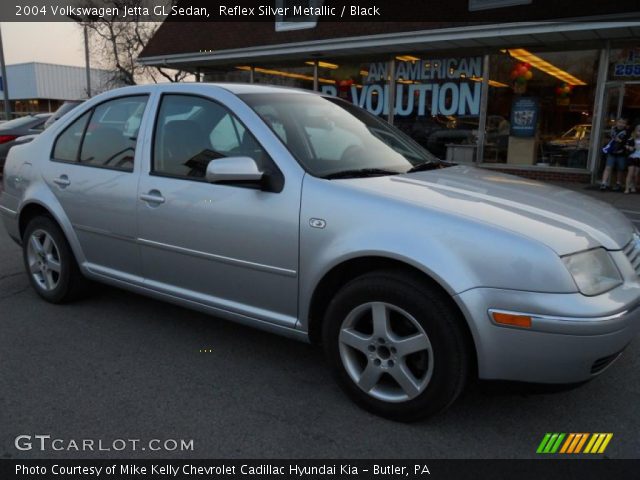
{"points": [[86, 60], [5, 82], [87, 64]]}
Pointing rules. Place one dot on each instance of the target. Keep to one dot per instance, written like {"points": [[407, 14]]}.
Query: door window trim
{"points": [[91, 112], [153, 173]]}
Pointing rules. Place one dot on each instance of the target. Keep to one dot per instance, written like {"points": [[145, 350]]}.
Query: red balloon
{"points": [[522, 70]]}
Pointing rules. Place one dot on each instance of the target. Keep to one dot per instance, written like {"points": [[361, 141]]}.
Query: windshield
{"points": [[328, 135], [578, 132]]}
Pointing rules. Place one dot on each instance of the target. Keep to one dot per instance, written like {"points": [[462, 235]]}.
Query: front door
{"points": [[233, 247]]}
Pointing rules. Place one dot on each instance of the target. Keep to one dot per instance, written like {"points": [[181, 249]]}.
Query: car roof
{"points": [[242, 88], [235, 88]]}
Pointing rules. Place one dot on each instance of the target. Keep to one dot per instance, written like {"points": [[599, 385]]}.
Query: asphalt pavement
{"points": [[122, 366]]}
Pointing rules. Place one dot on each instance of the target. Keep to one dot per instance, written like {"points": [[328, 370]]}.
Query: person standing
{"points": [[633, 160], [616, 151]]}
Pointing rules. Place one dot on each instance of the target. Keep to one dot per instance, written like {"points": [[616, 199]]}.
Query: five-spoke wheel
{"points": [[49, 261], [397, 344], [43, 257], [386, 352]]}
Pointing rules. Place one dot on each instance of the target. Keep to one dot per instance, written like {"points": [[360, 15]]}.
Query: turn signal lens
{"points": [[511, 319]]}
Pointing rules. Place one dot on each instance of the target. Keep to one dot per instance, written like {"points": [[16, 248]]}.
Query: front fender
{"points": [[458, 253]]}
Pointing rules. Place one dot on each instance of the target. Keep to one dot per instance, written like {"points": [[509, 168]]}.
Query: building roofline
{"points": [[398, 39], [56, 65]]}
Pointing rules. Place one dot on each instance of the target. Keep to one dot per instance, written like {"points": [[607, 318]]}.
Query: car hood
{"points": [[562, 219]]}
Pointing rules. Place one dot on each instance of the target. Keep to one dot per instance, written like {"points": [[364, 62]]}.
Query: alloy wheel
{"points": [[386, 352], [43, 257]]}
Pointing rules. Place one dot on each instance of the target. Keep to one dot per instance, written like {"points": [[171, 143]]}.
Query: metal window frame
{"points": [[598, 110]]}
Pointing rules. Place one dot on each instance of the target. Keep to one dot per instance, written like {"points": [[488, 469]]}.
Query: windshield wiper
{"points": [[428, 165], [360, 172]]}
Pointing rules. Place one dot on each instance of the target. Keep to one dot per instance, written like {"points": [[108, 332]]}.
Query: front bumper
{"points": [[567, 347]]}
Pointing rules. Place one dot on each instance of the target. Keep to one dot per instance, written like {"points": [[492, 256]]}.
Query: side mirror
{"points": [[233, 169]]}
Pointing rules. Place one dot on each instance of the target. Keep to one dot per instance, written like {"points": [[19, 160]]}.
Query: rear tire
{"points": [[396, 345], [51, 266]]}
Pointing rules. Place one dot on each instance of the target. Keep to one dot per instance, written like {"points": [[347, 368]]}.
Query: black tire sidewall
{"points": [[437, 318], [67, 260]]}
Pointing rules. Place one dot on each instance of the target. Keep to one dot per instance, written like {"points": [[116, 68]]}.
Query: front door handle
{"points": [[154, 196], [62, 181]]}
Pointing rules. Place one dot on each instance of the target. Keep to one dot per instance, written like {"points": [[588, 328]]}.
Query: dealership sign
{"points": [[423, 87]]}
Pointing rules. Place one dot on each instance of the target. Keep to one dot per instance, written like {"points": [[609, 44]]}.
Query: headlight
{"points": [[593, 271]]}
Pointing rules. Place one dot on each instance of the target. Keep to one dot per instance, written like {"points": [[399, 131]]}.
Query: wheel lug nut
{"points": [[381, 340], [372, 348], [393, 350], [377, 362], [390, 363]]}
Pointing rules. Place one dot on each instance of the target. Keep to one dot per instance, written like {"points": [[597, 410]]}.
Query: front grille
{"points": [[602, 363], [632, 251]]}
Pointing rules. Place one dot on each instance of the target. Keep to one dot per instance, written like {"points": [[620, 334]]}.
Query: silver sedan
{"points": [[305, 216]]}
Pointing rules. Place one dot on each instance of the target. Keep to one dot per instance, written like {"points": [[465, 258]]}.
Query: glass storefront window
{"points": [[540, 107], [363, 84], [299, 75], [624, 73], [438, 103], [539, 103], [437, 100]]}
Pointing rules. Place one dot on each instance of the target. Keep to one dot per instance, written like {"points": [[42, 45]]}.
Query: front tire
{"points": [[51, 266], [396, 345]]}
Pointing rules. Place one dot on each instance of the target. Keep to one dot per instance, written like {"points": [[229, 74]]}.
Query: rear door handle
{"points": [[62, 181], [154, 196]]}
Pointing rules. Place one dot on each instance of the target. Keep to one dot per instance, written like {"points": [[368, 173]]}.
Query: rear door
{"points": [[94, 171]]}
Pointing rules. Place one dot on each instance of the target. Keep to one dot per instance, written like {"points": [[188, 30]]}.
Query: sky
{"points": [[50, 42]]}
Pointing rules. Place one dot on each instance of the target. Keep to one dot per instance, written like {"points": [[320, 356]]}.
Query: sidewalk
{"points": [[627, 204]]}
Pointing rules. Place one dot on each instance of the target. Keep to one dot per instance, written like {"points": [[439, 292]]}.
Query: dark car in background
{"points": [[14, 131], [64, 108], [569, 149]]}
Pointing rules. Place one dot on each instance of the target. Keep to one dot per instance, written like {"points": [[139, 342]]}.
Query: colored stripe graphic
{"points": [[556, 445], [568, 442], [598, 442], [543, 443], [550, 443], [573, 443]]}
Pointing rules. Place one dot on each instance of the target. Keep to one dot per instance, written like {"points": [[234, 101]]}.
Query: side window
{"points": [[192, 131], [68, 143], [111, 136]]}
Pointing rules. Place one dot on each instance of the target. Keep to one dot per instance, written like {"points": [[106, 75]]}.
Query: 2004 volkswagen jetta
{"points": [[306, 216]]}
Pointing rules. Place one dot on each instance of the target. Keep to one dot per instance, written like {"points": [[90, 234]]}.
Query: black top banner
{"points": [[467, 11]]}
